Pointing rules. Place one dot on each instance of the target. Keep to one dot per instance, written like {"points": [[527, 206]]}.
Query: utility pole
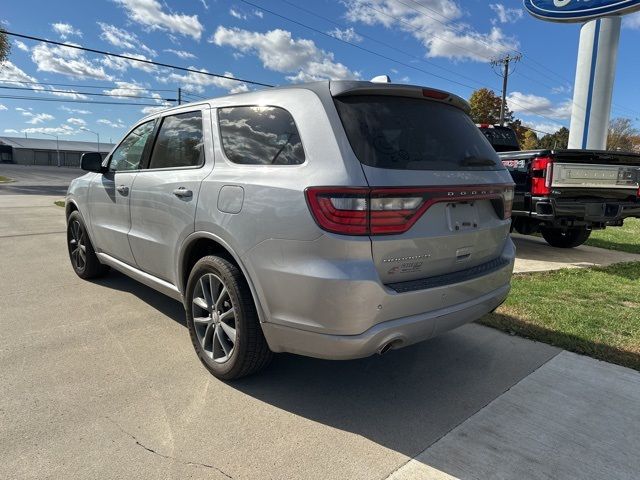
{"points": [[179, 96], [503, 63]]}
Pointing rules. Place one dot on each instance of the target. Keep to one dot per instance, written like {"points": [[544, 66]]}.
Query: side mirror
{"points": [[91, 162]]}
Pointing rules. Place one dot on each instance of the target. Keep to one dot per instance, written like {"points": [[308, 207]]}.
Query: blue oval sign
{"points": [[578, 10]]}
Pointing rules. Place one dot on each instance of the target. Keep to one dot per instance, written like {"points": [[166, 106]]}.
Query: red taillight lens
{"points": [[541, 176], [435, 94], [380, 211]]}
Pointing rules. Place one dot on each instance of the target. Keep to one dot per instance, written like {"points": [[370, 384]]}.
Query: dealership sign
{"points": [[578, 10]]}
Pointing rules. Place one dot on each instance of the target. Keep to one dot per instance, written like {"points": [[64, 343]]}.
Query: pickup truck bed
{"points": [[564, 194]]}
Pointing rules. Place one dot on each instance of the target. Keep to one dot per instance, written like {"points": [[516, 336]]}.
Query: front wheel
{"points": [[569, 238], [81, 253], [222, 320]]}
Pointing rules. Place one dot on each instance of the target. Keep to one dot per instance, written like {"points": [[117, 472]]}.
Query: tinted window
{"points": [[179, 142], [129, 153], [414, 134], [502, 139], [260, 136]]}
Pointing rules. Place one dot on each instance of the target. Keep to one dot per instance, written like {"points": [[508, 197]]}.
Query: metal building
{"points": [[38, 151]]}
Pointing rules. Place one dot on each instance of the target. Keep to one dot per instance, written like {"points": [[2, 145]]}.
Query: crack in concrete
{"points": [[168, 457]]}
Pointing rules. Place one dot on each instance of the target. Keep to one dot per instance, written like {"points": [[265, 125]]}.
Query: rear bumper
{"points": [[551, 210], [398, 333]]}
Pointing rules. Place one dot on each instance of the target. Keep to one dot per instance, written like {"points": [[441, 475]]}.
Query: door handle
{"points": [[183, 192], [122, 189]]}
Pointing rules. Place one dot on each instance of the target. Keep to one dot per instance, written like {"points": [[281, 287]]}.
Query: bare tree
{"points": [[622, 134]]}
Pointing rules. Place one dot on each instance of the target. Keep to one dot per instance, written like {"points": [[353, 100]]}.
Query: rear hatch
{"points": [[438, 194]]}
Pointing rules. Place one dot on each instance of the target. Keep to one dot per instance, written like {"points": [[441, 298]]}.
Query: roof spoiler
{"points": [[347, 88]]}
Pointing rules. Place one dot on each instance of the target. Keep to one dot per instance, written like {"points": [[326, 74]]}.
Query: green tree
{"points": [[5, 47], [555, 141], [622, 135], [530, 141]]}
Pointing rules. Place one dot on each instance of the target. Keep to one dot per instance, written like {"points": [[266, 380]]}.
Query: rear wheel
{"points": [[569, 238], [81, 253], [222, 320]]}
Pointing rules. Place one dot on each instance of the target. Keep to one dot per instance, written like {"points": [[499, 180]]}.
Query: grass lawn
{"points": [[4, 179], [594, 311], [625, 238], [59, 203]]}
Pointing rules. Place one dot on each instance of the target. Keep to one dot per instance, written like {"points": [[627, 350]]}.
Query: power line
{"points": [[87, 93], [6, 80], [95, 102], [338, 24], [133, 59]]}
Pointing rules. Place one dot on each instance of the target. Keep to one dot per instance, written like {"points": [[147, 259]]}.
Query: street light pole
{"points": [[57, 145], [95, 133]]}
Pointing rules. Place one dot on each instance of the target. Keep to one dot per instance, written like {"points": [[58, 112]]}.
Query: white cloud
{"points": [[632, 21], [180, 53], [236, 14], [439, 36], [36, 118], [150, 14], [21, 45], [535, 105], [347, 34], [11, 130], [61, 130], [67, 61], [258, 13], [69, 94], [9, 71], [280, 52], [565, 88], [2, 107], [75, 110], [204, 4], [119, 37], [113, 124], [76, 121], [65, 30], [543, 128], [127, 89], [150, 110], [122, 64], [197, 83], [506, 15]]}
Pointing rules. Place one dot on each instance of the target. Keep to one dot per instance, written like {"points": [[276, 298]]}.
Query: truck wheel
{"points": [[81, 253], [568, 238], [222, 320]]}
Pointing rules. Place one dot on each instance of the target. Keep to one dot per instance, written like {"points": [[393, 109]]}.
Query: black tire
{"points": [[81, 253], [225, 358], [568, 238]]}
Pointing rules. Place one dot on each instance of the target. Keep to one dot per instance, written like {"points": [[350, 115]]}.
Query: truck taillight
{"points": [[541, 176], [384, 211]]}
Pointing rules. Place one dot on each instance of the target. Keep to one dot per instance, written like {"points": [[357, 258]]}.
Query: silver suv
{"points": [[333, 219]]}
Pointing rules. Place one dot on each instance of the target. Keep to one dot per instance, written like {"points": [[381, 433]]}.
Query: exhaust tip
{"points": [[389, 345]]}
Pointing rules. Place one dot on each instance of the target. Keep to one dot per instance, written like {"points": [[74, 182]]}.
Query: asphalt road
{"points": [[99, 380], [35, 180]]}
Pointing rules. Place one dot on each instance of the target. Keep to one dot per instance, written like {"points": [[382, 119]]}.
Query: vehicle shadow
{"points": [[404, 400], [18, 189]]}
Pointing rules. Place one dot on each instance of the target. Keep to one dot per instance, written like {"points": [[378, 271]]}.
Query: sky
{"points": [[438, 43]]}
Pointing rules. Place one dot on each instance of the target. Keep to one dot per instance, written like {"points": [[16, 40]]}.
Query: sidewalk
{"points": [[574, 417]]}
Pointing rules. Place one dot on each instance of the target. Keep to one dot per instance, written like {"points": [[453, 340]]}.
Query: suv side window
{"points": [[257, 135], [179, 142], [128, 155]]}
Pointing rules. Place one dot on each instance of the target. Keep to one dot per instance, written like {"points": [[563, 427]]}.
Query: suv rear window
{"points": [[414, 134]]}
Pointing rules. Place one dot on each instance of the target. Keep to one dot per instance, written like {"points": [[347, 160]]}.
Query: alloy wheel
{"points": [[78, 245]]}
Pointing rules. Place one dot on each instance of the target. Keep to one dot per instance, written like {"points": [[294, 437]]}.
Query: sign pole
{"points": [[593, 89]]}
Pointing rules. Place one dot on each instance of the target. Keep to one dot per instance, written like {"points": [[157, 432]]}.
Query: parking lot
{"points": [[99, 380]]}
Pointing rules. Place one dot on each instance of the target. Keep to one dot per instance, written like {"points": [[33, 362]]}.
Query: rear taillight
{"points": [[541, 176], [384, 211]]}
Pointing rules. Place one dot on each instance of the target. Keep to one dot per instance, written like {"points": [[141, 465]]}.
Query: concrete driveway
{"points": [[99, 380]]}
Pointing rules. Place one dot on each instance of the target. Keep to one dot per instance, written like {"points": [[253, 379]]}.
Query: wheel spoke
{"points": [[221, 340], [206, 293], [230, 331], [207, 332], [226, 315], [202, 320], [200, 303], [223, 294]]}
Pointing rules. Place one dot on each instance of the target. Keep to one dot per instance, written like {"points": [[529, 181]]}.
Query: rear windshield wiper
{"points": [[477, 162]]}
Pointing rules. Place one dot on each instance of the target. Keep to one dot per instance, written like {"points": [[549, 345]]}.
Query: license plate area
{"points": [[462, 216]]}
